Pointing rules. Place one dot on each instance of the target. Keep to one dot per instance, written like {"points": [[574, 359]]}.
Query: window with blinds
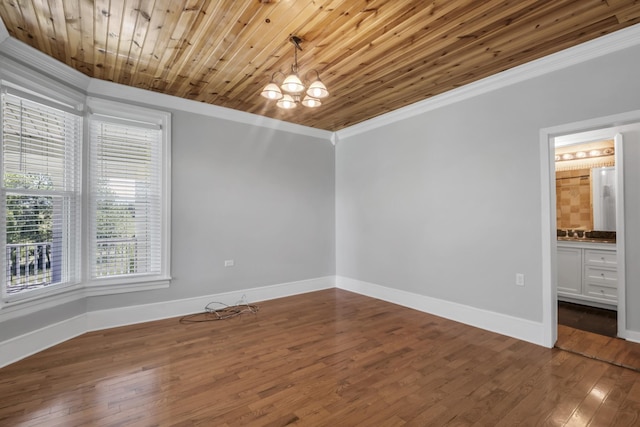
{"points": [[40, 192], [126, 198]]}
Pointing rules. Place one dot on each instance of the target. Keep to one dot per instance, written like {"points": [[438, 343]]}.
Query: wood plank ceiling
{"points": [[373, 55]]}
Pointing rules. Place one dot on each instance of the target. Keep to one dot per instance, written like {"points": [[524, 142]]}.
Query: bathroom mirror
{"points": [[603, 197]]}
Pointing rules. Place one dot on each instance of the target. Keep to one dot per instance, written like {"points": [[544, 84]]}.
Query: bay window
{"points": [[101, 228]]}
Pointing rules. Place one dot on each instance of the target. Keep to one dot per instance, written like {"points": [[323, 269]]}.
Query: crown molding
{"points": [[117, 91], [36, 60], [4, 34], [592, 49]]}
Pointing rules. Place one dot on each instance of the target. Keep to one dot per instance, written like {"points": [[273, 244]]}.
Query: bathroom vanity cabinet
{"points": [[587, 274]]}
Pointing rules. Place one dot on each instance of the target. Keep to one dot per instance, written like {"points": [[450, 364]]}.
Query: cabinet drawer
{"points": [[600, 258], [602, 276], [604, 292]]}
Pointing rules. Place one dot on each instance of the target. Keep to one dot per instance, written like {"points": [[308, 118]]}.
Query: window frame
{"points": [[39, 90], [34, 84], [98, 107]]}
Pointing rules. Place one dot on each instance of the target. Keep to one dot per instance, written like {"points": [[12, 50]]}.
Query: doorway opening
{"points": [[586, 199], [614, 350], [609, 127]]}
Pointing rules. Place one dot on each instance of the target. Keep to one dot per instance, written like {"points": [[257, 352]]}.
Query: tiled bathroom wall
{"points": [[573, 199]]}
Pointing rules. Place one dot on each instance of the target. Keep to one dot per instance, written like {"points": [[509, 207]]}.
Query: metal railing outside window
{"points": [[29, 266]]}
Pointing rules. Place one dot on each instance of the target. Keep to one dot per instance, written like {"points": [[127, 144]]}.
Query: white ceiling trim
{"points": [[102, 88], [4, 34], [38, 61], [609, 43]]}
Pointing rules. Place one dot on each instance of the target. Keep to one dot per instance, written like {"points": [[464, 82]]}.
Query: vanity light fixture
{"points": [[584, 155], [292, 90]]}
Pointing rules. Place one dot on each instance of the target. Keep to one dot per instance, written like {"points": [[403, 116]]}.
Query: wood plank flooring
{"points": [[591, 319], [328, 358], [609, 349]]}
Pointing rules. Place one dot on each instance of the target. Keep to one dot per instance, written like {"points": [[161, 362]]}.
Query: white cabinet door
{"points": [[570, 270]]}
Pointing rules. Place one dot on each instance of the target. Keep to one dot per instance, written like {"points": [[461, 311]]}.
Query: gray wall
{"points": [[21, 325], [447, 204], [261, 197]]}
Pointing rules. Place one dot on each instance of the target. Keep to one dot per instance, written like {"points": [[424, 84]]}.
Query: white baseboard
{"points": [[515, 327], [633, 336], [25, 345], [103, 319], [33, 342]]}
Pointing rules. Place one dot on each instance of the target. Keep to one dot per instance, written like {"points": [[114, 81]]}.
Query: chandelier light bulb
{"points": [[311, 102], [287, 102], [292, 84], [317, 90], [271, 91]]}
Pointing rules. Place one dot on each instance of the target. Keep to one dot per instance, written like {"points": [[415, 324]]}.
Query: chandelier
{"points": [[292, 90]]}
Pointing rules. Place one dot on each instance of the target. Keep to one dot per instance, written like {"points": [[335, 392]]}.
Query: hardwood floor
{"points": [[590, 319], [328, 358], [609, 349]]}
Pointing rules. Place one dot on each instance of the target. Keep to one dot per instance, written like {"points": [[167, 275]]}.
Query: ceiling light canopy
{"points": [[293, 91]]}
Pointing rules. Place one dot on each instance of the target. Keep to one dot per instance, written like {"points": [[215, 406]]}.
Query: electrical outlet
{"points": [[519, 279], [229, 263]]}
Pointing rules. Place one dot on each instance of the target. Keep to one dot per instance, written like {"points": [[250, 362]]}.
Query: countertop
{"points": [[587, 243]]}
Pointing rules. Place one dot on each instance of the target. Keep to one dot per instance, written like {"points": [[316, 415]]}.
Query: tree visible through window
{"points": [[40, 193], [126, 197], [29, 229]]}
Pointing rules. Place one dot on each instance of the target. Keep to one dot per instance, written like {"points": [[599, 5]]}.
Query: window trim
{"points": [[75, 195], [124, 112], [17, 78]]}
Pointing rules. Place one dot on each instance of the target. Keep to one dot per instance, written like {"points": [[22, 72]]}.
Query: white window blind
{"points": [[40, 193], [126, 205]]}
